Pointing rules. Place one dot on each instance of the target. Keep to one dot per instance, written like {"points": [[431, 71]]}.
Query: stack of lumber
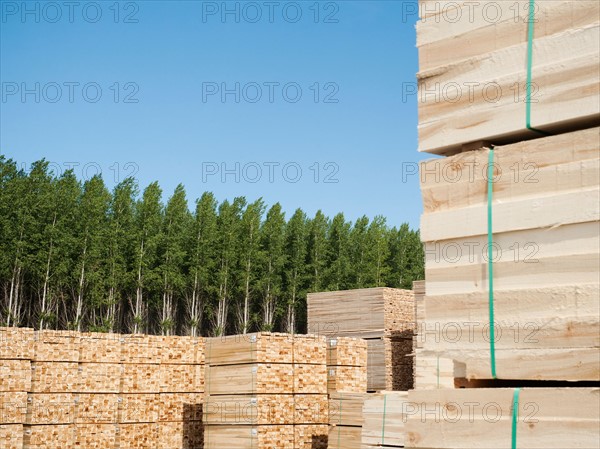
{"points": [[430, 369], [346, 365], [551, 418], [346, 420], [384, 418], [266, 390], [545, 265], [513, 262], [473, 70], [16, 352], [382, 316], [63, 389], [181, 391]]}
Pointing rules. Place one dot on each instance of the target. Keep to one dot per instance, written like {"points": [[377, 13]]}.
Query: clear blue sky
{"points": [[136, 88]]}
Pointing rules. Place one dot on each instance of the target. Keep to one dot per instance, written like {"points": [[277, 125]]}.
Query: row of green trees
{"points": [[74, 255]]}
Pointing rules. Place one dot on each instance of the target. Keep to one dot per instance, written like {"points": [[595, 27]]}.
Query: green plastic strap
{"points": [[531, 22], [340, 422], [515, 418], [490, 261], [383, 424]]}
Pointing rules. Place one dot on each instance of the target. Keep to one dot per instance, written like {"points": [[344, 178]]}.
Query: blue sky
{"points": [[297, 102]]}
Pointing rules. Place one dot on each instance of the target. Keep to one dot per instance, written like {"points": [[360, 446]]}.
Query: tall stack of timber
{"points": [[346, 365], [510, 225], [384, 418], [266, 391], [382, 316], [346, 420], [181, 385], [16, 351]]}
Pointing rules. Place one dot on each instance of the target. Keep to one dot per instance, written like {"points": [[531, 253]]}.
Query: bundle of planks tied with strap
{"points": [[266, 391], [510, 226]]}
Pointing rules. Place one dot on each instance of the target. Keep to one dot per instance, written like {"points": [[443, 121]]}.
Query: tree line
{"points": [[74, 255]]}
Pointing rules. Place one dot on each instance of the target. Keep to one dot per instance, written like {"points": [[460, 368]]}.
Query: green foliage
{"points": [[75, 256]]}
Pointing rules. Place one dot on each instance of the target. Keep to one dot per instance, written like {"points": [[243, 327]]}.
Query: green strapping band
{"points": [[340, 422], [531, 21], [383, 424], [490, 261], [515, 418]]}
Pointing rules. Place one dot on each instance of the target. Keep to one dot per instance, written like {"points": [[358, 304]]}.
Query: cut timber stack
{"points": [[473, 71], [384, 418], [266, 391], [346, 420], [16, 351], [382, 316], [430, 369], [346, 365], [510, 226]]}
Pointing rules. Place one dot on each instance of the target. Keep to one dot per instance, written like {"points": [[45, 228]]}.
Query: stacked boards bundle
{"points": [[266, 390], [544, 244], [502, 71], [346, 365], [346, 420], [384, 419], [382, 316]]}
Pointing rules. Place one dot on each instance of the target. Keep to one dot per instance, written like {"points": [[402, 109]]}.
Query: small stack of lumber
{"points": [[266, 391], [346, 365], [382, 316], [384, 419], [473, 70], [346, 420]]}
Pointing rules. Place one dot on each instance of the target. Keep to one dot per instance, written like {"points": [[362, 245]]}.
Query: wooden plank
{"points": [[51, 437], [181, 407], [11, 436], [96, 436], [346, 351], [541, 212], [311, 436], [344, 437], [565, 74], [432, 370], [539, 167], [56, 346], [384, 416], [249, 437], [348, 379], [15, 375], [17, 343], [54, 377], [469, 418], [182, 350], [266, 409], [95, 347], [50, 408], [13, 407], [138, 436], [346, 409], [179, 378], [139, 408], [262, 347], [471, 32], [181, 435], [95, 408], [99, 378], [141, 349], [140, 378]]}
